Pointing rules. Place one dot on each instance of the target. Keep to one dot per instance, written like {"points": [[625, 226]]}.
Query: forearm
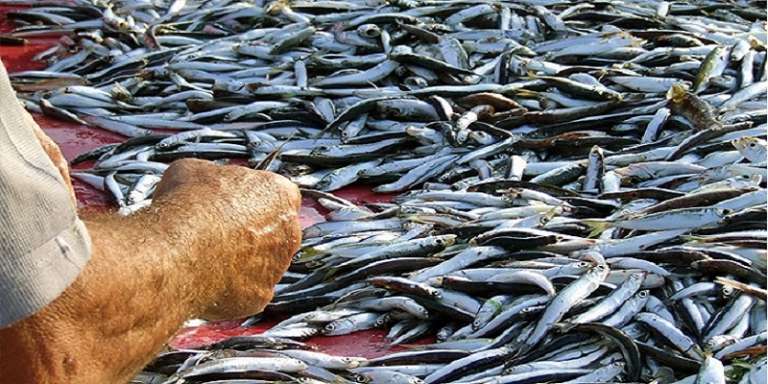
{"points": [[124, 306], [213, 244]]}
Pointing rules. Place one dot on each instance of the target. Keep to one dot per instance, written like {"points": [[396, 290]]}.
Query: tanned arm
{"points": [[213, 244]]}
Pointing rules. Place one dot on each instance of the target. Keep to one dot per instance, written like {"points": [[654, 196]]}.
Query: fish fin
{"points": [[264, 164], [526, 93], [565, 327], [307, 254], [596, 226], [330, 273], [693, 238], [551, 213], [415, 219]]}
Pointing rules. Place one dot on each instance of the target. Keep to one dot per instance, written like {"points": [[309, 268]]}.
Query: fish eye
{"points": [[753, 144], [643, 293], [329, 327]]}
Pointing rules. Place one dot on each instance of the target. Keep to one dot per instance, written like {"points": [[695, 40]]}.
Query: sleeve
{"points": [[43, 244]]}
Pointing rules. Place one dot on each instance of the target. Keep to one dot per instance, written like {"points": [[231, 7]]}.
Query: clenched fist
{"points": [[213, 244]]}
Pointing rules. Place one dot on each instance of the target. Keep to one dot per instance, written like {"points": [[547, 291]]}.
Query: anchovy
{"points": [[562, 303], [529, 144]]}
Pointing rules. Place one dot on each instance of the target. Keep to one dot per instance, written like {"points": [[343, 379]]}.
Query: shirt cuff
{"points": [[30, 282]]}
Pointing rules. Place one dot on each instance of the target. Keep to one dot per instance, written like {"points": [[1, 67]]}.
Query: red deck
{"points": [[75, 139]]}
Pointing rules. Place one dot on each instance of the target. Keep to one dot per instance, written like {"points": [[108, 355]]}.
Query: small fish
{"points": [[752, 148]]}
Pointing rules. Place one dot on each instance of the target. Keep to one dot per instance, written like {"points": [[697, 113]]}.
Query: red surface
{"points": [[75, 139]]}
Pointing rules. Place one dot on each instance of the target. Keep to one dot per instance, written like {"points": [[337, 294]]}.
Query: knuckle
{"points": [[184, 166], [187, 163], [280, 184]]}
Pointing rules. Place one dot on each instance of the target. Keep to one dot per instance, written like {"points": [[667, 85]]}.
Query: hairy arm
{"points": [[213, 244]]}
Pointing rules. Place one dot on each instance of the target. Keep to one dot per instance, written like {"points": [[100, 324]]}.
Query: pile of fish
{"points": [[263, 359], [583, 185]]}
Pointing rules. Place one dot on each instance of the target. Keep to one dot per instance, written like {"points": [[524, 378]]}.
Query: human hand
{"points": [[250, 231], [213, 244]]}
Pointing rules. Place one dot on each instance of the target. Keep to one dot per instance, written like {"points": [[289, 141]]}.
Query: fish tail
{"points": [[596, 226]]}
